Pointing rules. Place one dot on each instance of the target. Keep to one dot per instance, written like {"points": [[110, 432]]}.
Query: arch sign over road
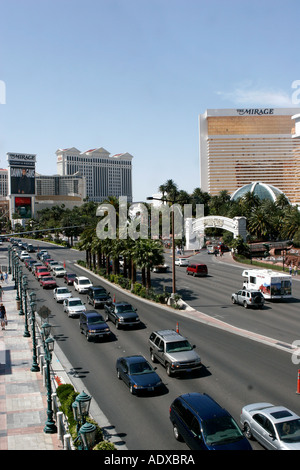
{"points": [[194, 229]]}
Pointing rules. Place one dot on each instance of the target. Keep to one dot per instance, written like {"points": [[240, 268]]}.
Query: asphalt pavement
{"points": [[23, 394]]}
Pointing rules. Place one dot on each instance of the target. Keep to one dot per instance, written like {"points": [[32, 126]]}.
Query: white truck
{"points": [[272, 284]]}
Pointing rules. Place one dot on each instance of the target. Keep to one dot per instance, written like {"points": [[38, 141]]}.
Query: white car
{"points": [[59, 271], [181, 261], [74, 306], [24, 255], [82, 284], [61, 293]]}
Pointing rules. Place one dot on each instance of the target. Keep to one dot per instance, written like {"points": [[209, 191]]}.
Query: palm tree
{"points": [[147, 253]]}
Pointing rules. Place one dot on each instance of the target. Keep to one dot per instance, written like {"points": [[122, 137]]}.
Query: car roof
{"points": [[276, 413], [92, 313], [203, 405], [134, 358], [169, 335]]}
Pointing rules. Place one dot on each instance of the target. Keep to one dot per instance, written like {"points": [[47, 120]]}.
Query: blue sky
{"points": [[133, 76]]}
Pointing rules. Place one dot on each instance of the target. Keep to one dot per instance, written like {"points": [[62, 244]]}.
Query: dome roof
{"points": [[262, 190]]}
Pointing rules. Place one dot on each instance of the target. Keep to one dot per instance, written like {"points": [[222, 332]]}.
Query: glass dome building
{"points": [[262, 190]]}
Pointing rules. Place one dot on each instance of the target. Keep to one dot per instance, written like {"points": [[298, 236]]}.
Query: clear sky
{"points": [[134, 75]]}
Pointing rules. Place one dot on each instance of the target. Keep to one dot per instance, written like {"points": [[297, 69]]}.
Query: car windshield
{"points": [[71, 276], [289, 431], [73, 303], [140, 368], [59, 268], [124, 308], [96, 320], [48, 279], [63, 290], [99, 291], [84, 281], [177, 346], [221, 430]]}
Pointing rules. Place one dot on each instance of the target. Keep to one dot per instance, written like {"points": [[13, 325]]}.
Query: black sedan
{"points": [[122, 314], [138, 374]]}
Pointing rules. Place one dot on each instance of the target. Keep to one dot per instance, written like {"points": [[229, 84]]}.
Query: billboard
{"points": [[21, 173], [23, 207]]}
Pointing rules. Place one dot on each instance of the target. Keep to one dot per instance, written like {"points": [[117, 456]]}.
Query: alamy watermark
{"points": [[296, 93], [2, 92], [137, 222]]}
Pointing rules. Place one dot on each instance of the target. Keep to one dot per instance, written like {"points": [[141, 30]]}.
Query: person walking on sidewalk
{"points": [[1, 293], [3, 317]]}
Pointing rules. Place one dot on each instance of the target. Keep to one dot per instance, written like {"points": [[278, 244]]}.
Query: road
{"points": [[236, 371]]}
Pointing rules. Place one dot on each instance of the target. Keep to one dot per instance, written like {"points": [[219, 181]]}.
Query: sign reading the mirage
{"points": [[258, 112], [21, 173]]}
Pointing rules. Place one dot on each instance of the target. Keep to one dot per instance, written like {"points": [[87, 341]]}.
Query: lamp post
{"points": [[9, 249], [25, 286], [86, 431], [20, 274], [150, 198], [35, 367], [50, 427]]}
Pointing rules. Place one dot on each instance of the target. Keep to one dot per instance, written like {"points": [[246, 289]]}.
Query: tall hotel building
{"points": [[105, 175], [241, 146]]}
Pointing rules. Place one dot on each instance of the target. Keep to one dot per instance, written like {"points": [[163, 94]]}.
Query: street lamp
{"points": [[50, 427], [150, 198], [86, 431], [20, 273], [25, 285], [35, 367]]}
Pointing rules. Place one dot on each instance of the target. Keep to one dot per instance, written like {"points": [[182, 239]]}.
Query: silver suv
{"points": [[173, 351], [248, 298]]}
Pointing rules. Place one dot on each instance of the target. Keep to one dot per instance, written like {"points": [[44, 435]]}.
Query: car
{"points": [[98, 296], [30, 248], [41, 274], [48, 282], [160, 268], [138, 374], [44, 257], [58, 271], [69, 278], [122, 314], [61, 293], [203, 424], [174, 352], [93, 325], [196, 269], [28, 262], [82, 284], [53, 263], [40, 269], [182, 262], [47, 262], [274, 427], [248, 298], [73, 306], [24, 255], [40, 253]]}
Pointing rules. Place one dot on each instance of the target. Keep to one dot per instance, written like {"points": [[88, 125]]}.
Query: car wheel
{"points": [[168, 370], [176, 433], [233, 300], [153, 359], [245, 304], [131, 389], [118, 374], [117, 324], [247, 431], [87, 337]]}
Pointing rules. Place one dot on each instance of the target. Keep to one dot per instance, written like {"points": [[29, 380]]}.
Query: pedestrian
{"points": [[6, 276], [1, 276], [291, 269], [3, 317], [295, 270], [1, 293]]}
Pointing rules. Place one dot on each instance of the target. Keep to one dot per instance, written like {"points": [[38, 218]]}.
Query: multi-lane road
{"points": [[237, 370]]}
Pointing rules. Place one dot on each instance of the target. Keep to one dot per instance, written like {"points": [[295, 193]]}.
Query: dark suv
{"points": [[203, 424], [173, 351], [93, 325], [98, 297]]}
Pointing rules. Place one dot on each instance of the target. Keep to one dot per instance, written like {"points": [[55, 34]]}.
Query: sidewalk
{"points": [[23, 396]]}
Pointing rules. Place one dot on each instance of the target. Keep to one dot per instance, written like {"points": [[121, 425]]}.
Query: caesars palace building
{"points": [[240, 146]]}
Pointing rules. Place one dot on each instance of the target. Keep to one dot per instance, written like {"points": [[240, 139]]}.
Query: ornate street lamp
{"points": [[35, 367], [50, 427], [20, 273], [25, 286], [9, 249], [86, 431]]}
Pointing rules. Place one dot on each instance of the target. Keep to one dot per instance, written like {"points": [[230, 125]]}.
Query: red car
{"points": [[41, 274], [48, 281], [69, 278]]}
